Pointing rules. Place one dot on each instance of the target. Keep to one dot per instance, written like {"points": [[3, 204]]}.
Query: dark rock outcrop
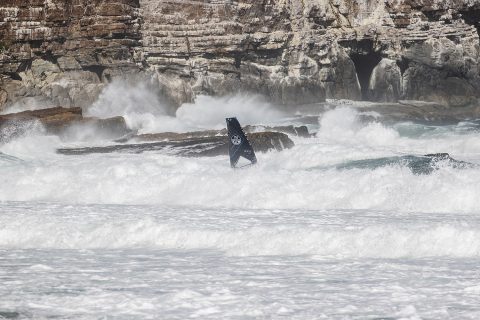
{"points": [[301, 131], [191, 145], [59, 121], [419, 165], [61, 113]]}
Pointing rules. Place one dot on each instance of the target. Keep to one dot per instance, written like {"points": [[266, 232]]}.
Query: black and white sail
{"points": [[238, 145]]}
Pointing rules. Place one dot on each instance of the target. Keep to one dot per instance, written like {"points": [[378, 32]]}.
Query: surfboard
{"points": [[238, 144]]}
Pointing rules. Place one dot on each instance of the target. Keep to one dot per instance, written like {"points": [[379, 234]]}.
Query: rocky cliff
{"points": [[294, 51], [58, 52]]}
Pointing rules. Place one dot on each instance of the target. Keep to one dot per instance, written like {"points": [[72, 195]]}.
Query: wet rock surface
{"points": [[59, 121], [9, 314], [420, 165], [300, 131], [423, 112], [190, 144], [429, 113]]}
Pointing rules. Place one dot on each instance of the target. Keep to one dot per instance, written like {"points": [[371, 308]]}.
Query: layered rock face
{"points": [[293, 51], [61, 52], [305, 51]]}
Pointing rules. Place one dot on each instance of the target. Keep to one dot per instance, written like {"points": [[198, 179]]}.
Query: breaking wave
{"points": [[143, 110], [259, 234], [307, 176]]}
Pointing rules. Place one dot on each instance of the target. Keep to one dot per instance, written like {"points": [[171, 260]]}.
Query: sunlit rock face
{"points": [[56, 52], [293, 52]]}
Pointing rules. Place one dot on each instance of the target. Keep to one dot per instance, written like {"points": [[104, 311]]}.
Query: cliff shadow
{"points": [[364, 65], [365, 58]]}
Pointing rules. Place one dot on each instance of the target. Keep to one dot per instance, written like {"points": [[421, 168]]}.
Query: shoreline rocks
{"points": [[188, 145], [300, 131], [59, 121]]}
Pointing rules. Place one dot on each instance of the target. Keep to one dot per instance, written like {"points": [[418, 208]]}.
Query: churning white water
{"points": [[154, 236], [143, 110]]}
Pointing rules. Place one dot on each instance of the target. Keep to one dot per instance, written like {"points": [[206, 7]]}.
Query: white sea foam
{"points": [[29, 103], [299, 178], [138, 103], [237, 233], [156, 179], [343, 127], [145, 111], [32, 147], [210, 112], [134, 236]]}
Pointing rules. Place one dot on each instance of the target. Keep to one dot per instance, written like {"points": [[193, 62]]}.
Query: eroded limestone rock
{"points": [[385, 82], [303, 51], [57, 51], [293, 52]]}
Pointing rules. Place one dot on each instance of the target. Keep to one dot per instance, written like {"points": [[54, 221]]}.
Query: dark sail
{"points": [[238, 145]]}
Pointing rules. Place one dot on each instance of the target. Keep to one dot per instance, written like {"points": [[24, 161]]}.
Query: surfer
{"points": [[238, 144]]}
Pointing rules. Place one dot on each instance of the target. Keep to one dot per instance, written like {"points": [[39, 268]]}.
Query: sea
{"points": [[325, 230]]}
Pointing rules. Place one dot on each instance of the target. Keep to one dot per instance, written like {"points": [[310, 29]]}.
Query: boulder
{"points": [[191, 146], [57, 113], [385, 82], [60, 120], [300, 131], [425, 83]]}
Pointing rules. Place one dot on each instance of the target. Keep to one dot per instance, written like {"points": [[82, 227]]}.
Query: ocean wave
{"points": [[259, 237]]}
